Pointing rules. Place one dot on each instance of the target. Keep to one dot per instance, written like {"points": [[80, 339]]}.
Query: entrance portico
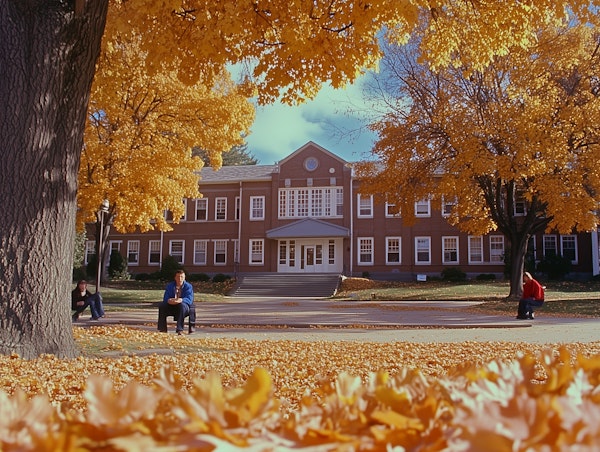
{"points": [[310, 246]]}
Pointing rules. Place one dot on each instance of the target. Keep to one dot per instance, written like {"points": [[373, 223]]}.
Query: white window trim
{"points": [[150, 253], [205, 202], [501, 260], [358, 257], [479, 238], [197, 262], [137, 253], [417, 261], [423, 215], [387, 211], [219, 264], [182, 249], [369, 199], [217, 200], [544, 243], [387, 250], [262, 251], [444, 261], [562, 249], [257, 198]]}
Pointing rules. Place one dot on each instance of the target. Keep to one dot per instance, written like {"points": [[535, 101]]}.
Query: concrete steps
{"points": [[304, 285]]}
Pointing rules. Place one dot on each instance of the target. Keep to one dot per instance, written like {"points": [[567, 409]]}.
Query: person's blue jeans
{"points": [[96, 305], [178, 311], [526, 306]]}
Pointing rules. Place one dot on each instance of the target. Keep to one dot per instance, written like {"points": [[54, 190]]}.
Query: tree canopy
{"points": [[140, 132], [513, 147]]}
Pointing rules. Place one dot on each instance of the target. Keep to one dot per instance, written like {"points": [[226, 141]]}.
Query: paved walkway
{"points": [[323, 319]]}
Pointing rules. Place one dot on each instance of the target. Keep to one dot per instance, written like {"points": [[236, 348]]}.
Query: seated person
{"points": [[178, 302], [533, 297], [81, 298]]}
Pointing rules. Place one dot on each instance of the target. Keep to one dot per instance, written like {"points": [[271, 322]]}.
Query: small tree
{"points": [[168, 267], [117, 267]]}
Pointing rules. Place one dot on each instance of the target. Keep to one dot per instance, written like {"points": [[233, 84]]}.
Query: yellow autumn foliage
{"points": [[266, 395], [524, 129], [140, 133]]}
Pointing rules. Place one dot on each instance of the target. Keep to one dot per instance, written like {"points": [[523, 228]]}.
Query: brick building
{"points": [[304, 215]]}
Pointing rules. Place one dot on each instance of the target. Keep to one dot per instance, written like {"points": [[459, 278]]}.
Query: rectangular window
{"points": [[332, 252], [302, 200], [365, 251], [423, 208], [497, 248], [475, 249], [392, 251], [520, 205], [220, 209], [200, 247], [319, 255], [568, 246], [391, 210], [154, 252], [236, 251], [220, 252], [292, 253], [447, 206], [317, 203], [176, 250], [450, 250], [238, 206], [423, 250], [90, 251], [257, 207], [169, 214], [282, 252], [550, 245], [202, 209], [257, 252], [365, 206], [133, 252]]}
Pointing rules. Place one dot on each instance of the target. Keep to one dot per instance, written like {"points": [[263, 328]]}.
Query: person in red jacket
{"points": [[533, 297]]}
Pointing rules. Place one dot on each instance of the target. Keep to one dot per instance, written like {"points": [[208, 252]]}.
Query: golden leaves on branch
{"points": [[266, 395]]}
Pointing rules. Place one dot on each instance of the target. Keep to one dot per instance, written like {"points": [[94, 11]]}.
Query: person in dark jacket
{"points": [[177, 302], [533, 297], [81, 298]]}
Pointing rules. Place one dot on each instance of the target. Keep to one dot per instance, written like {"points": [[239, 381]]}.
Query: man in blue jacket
{"points": [[177, 302]]}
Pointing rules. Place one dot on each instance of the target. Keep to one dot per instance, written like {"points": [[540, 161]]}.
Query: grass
{"points": [[562, 297]]}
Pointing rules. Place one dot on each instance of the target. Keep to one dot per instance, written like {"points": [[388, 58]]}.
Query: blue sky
{"points": [[280, 129]]}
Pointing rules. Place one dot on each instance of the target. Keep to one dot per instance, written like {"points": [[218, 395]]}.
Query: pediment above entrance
{"points": [[308, 227]]}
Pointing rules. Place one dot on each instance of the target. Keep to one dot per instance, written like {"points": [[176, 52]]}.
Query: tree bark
{"points": [[47, 60]]}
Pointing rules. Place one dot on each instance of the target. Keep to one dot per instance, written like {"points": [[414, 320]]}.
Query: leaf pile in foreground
{"points": [[270, 395]]}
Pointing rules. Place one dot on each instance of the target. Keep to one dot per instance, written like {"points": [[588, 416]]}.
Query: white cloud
{"points": [[281, 129]]}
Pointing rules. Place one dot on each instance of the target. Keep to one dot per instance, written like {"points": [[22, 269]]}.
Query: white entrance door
{"points": [[309, 258]]}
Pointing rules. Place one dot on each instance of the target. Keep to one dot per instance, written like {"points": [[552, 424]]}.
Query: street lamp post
{"points": [[102, 211]]}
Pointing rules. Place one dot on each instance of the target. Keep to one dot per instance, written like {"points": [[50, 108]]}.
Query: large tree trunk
{"points": [[47, 60], [518, 250]]}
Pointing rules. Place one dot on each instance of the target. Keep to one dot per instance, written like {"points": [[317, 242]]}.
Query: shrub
{"points": [[220, 277], [453, 274], [198, 277], [142, 277], [486, 277], [168, 268], [117, 266], [366, 275], [555, 266]]}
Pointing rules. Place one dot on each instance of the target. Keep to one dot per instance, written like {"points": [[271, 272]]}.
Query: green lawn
{"points": [[562, 298]]}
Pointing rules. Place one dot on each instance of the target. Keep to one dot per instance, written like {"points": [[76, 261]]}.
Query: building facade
{"points": [[304, 214]]}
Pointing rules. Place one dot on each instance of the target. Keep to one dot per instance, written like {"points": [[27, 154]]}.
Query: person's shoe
{"points": [[179, 333], [191, 330], [162, 331], [75, 317], [530, 316]]}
